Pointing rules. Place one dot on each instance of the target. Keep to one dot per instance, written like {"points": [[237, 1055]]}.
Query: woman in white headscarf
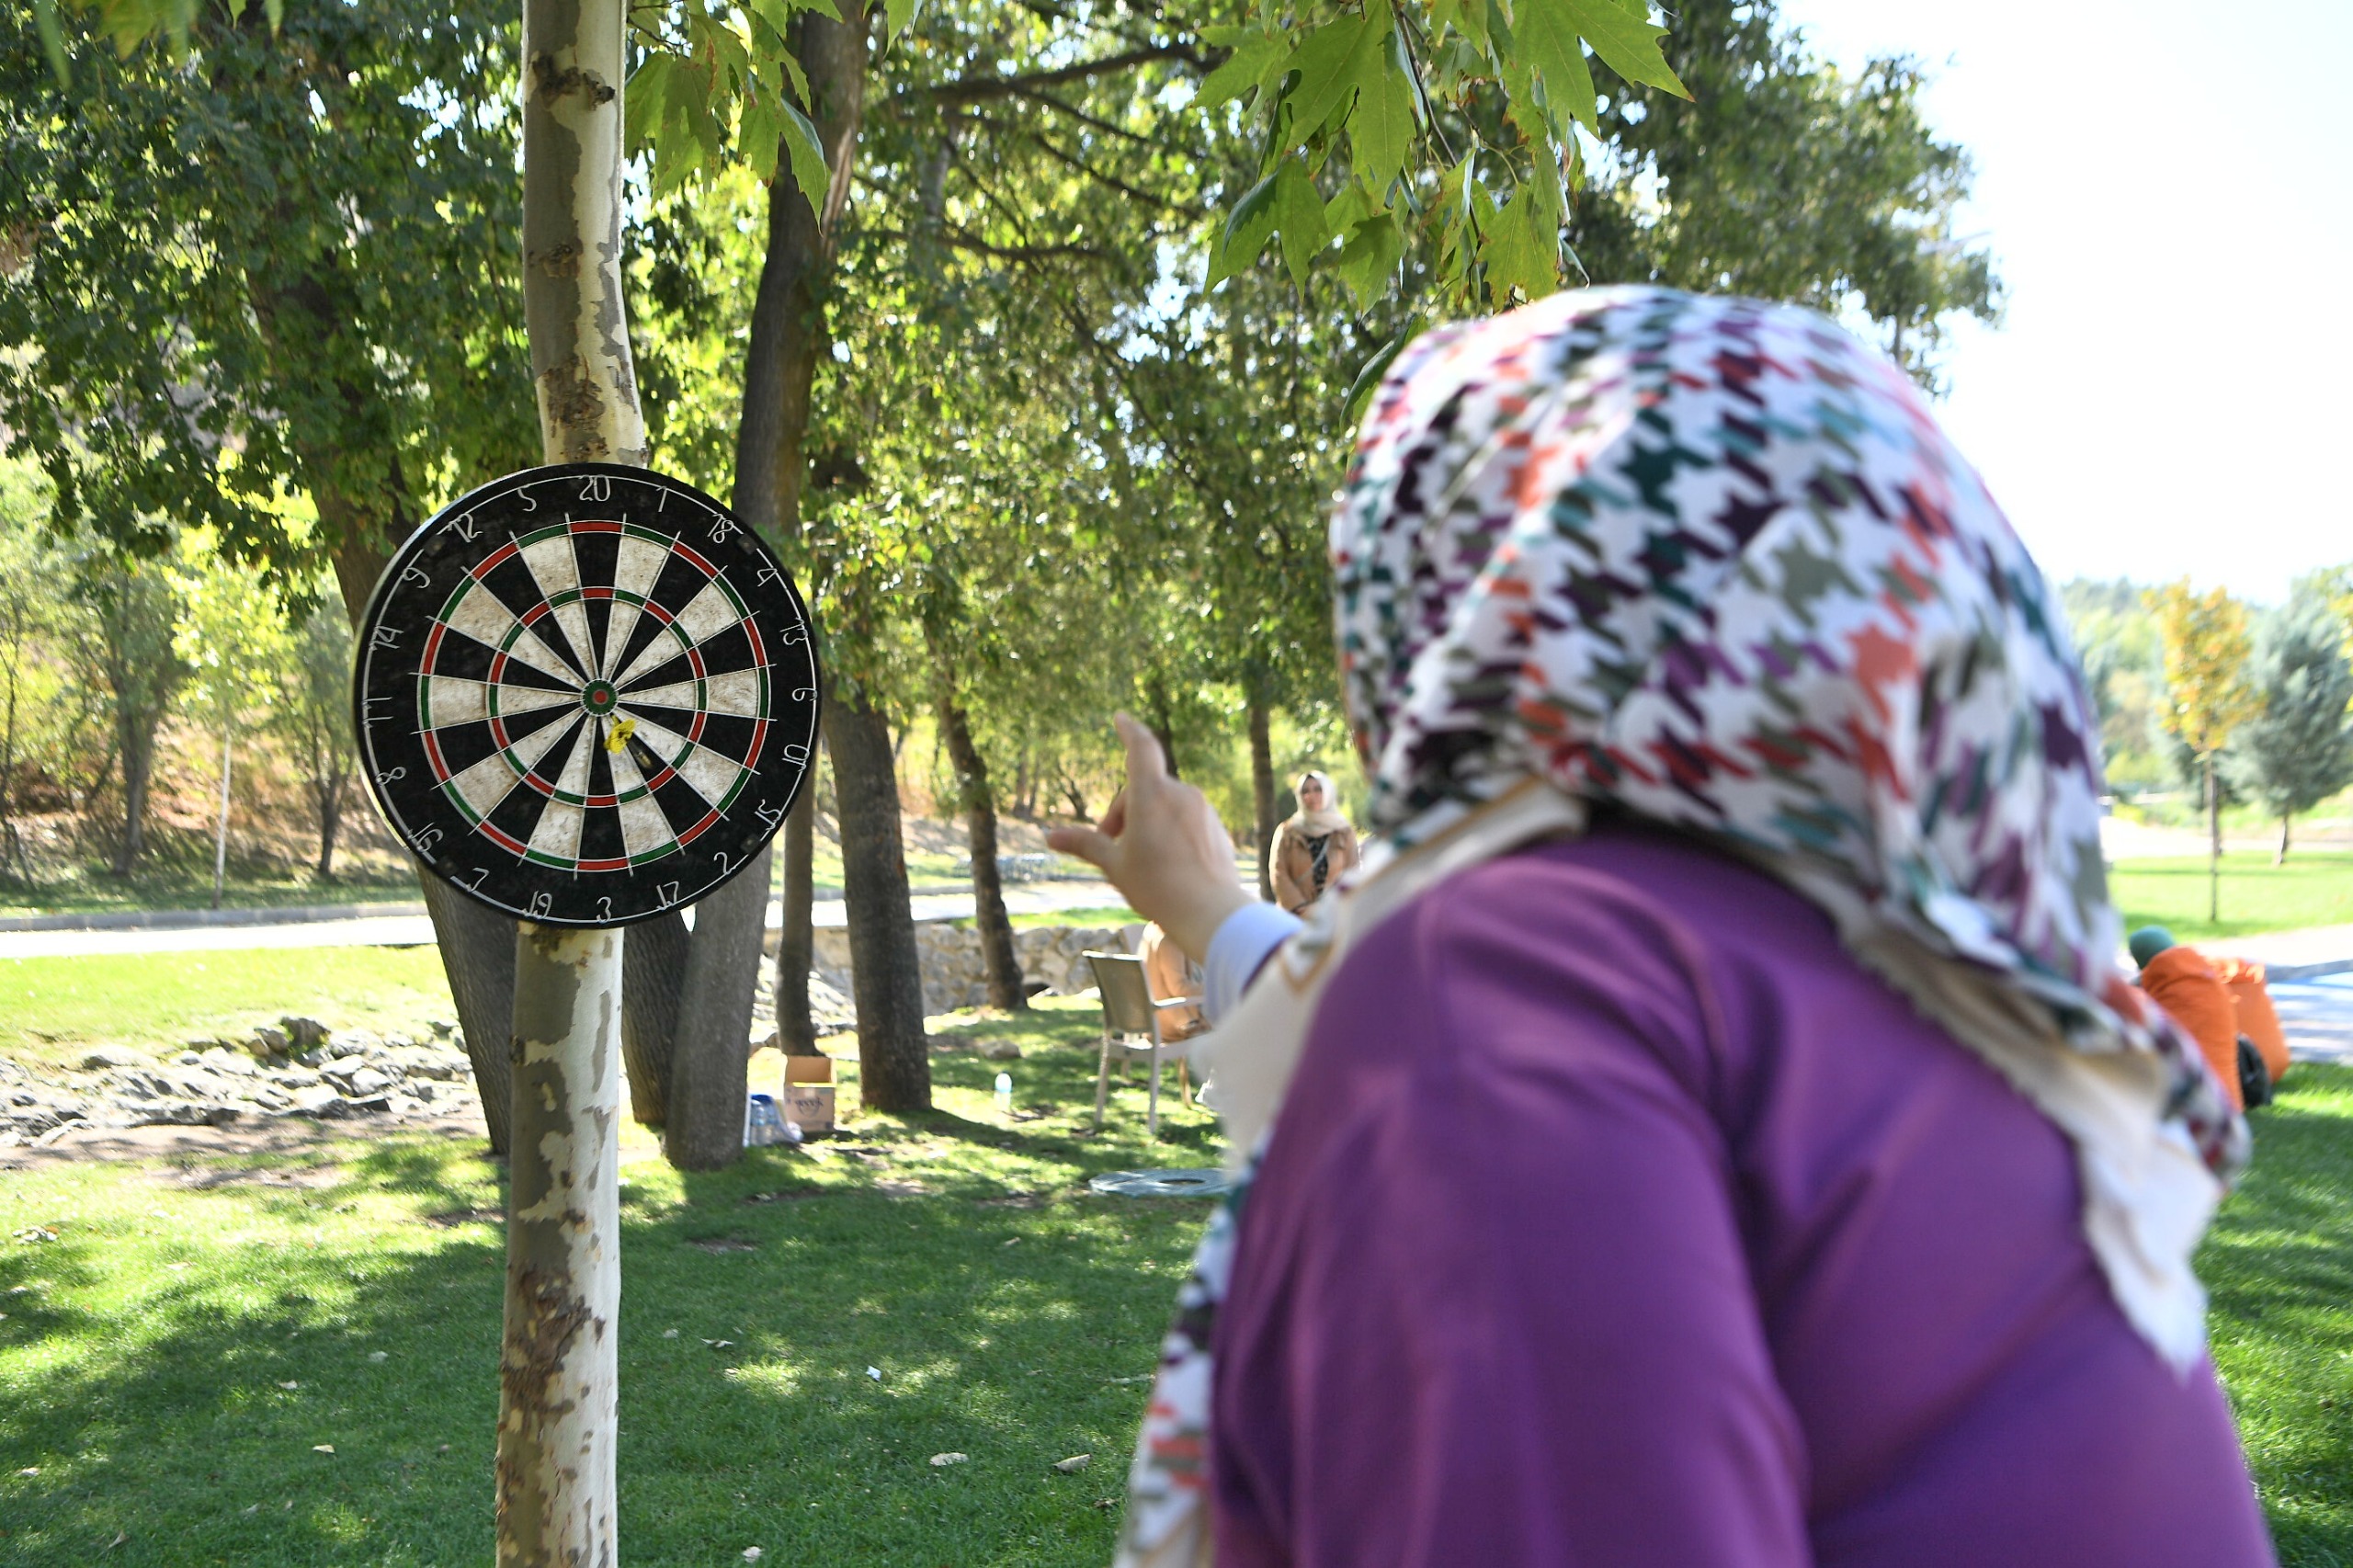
{"points": [[1724, 1138], [1314, 847]]}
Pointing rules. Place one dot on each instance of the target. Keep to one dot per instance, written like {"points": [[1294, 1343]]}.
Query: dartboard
{"points": [[585, 694]]}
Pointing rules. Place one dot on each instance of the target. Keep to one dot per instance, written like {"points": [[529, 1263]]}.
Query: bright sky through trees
{"points": [[2164, 185]]}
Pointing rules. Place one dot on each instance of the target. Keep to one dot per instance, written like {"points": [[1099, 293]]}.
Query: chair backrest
{"points": [[1126, 1000]]}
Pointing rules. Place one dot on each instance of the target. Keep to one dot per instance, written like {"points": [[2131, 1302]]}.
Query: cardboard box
{"points": [[809, 1093]]}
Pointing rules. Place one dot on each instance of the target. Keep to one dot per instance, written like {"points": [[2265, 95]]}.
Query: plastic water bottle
{"points": [[1005, 1094], [762, 1126]]}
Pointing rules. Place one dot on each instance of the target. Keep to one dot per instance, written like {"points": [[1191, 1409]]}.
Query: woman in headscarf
{"points": [[1723, 1136], [1314, 847]]}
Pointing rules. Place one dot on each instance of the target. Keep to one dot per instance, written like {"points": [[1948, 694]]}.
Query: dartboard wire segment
{"points": [[585, 694]]}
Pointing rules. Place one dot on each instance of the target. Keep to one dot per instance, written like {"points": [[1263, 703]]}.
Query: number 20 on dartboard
{"points": [[585, 694]]}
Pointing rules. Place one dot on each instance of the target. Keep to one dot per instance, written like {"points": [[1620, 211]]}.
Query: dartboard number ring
{"points": [[585, 694]]}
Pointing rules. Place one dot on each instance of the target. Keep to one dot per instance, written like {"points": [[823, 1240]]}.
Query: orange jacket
{"points": [[2181, 981], [2258, 1020]]}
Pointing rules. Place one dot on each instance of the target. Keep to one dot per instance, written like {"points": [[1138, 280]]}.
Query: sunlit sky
{"points": [[2168, 187]]}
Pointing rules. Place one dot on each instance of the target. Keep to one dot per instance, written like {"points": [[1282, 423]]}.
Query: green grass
{"points": [[1012, 1317], [50, 1007], [167, 887], [1086, 914], [2312, 889], [2279, 1261]]}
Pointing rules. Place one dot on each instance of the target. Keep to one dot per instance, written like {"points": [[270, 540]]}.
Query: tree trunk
{"points": [[710, 1056], [653, 974], [1262, 793], [138, 745], [559, 1383], [220, 839], [796, 945], [1000, 964], [1161, 727], [2281, 858], [557, 1372], [2213, 843], [477, 946], [779, 368], [894, 1063], [330, 821]]}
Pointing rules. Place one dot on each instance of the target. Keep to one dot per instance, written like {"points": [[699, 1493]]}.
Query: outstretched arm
{"points": [[1162, 845]]}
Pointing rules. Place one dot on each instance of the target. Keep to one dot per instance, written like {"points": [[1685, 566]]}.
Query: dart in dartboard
{"points": [[585, 694]]}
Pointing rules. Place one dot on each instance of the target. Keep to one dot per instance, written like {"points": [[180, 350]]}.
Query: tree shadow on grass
{"points": [[151, 1401]]}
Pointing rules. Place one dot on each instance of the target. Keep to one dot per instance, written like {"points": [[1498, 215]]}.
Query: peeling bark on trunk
{"points": [[1262, 795], [710, 1056], [558, 1375], [893, 1062], [1000, 965]]}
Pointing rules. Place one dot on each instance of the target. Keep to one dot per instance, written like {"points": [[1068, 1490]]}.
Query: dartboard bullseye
{"points": [[585, 694]]}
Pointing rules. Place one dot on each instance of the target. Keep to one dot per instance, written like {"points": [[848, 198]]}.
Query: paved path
{"points": [[201, 934]]}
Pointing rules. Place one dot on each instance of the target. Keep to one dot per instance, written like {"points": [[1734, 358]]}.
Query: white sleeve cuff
{"points": [[1241, 944]]}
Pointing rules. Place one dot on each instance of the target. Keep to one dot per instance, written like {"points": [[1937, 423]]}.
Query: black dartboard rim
{"points": [[575, 626]]}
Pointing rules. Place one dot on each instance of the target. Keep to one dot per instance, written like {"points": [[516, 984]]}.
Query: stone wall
{"points": [[950, 957]]}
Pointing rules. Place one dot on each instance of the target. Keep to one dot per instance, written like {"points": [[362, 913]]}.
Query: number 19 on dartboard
{"points": [[585, 694]]}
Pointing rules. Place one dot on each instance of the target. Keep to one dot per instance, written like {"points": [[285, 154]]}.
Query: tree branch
{"points": [[974, 89]]}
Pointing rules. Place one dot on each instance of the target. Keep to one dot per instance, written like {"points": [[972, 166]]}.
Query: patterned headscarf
{"points": [[1711, 563]]}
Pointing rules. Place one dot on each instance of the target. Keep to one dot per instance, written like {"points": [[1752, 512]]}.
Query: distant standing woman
{"points": [[1312, 847]]}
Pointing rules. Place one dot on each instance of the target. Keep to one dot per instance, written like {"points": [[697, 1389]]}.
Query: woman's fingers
{"points": [[1094, 847]]}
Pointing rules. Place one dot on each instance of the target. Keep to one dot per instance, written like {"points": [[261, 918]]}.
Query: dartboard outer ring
{"points": [[585, 694]]}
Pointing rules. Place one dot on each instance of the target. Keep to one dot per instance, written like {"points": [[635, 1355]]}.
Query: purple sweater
{"points": [[1616, 1216]]}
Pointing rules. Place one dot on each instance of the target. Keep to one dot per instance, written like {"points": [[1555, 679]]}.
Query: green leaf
{"points": [[1523, 248], [1368, 379], [1369, 260], [53, 41], [1337, 59], [759, 127], [898, 15], [1546, 35], [644, 98], [1299, 212], [1241, 69], [1622, 32], [1248, 231], [1352, 207], [809, 171], [1381, 129]]}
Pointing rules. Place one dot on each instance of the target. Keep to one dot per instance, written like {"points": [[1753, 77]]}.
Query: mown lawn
{"points": [[147, 1351], [2280, 1263], [2312, 889], [51, 1008]]}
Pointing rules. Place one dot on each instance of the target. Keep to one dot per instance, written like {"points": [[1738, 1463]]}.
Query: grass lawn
{"points": [[169, 1364], [2312, 889], [160, 886], [2279, 1261], [51, 1007], [172, 1360]]}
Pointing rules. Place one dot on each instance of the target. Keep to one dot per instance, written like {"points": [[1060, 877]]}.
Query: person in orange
{"points": [[2180, 981], [1169, 974]]}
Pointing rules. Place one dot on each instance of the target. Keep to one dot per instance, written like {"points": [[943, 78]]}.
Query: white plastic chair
{"points": [[1130, 1026]]}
